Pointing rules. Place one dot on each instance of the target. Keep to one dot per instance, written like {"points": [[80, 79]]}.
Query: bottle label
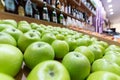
{"points": [[10, 5], [21, 11], [55, 19], [37, 16], [28, 8], [45, 16], [61, 21]]}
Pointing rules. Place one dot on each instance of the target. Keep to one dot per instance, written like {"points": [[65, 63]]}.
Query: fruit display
{"points": [[45, 52]]}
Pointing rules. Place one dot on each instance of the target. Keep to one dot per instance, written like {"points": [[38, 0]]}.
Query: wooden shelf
{"points": [[5, 15]]}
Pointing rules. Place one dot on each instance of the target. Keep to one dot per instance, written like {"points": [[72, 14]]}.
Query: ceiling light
{"points": [[110, 6], [111, 13], [109, 1], [111, 10]]}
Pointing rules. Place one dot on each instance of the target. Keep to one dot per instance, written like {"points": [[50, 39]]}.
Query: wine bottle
{"points": [[45, 12], [21, 10], [61, 18], [54, 15], [28, 9], [36, 13], [2, 6], [11, 6]]}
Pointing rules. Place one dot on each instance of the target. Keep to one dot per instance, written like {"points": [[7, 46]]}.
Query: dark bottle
{"points": [[2, 6], [36, 13], [11, 6], [61, 18], [45, 12], [58, 4], [48, 1], [28, 9], [54, 15], [21, 10]]}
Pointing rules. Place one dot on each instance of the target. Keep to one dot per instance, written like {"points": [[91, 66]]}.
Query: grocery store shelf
{"points": [[5, 15], [108, 39]]}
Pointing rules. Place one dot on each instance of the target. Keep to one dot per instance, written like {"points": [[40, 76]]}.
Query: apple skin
{"points": [[4, 26], [113, 57], [105, 65], [10, 22], [38, 52], [6, 38], [5, 77], [11, 59], [15, 33], [34, 26], [24, 26], [60, 37], [87, 52], [83, 42], [61, 48], [98, 53], [77, 65], [48, 37], [26, 39], [103, 75], [72, 43], [113, 48], [49, 70]]}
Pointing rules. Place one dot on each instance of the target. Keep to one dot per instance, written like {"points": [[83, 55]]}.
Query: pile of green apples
{"points": [[55, 53]]}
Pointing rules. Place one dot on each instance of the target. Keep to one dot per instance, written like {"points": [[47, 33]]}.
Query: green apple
{"points": [[113, 48], [48, 37], [87, 52], [10, 22], [34, 25], [3, 26], [103, 75], [45, 31], [24, 26], [72, 43], [112, 52], [26, 39], [49, 70], [77, 65], [11, 59], [40, 29], [115, 58], [6, 38], [38, 52], [35, 31], [61, 48], [60, 37], [15, 33], [102, 43], [105, 65], [98, 53], [83, 41], [5, 77]]}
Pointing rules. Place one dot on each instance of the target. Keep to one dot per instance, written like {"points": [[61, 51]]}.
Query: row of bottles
{"points": [[30, 9]]}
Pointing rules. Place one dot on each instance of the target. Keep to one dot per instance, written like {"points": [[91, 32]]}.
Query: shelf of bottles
{"points": [[57, 11]]}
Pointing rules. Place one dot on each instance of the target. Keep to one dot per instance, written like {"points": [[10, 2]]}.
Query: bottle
{"points": [[11, 6], [36, 13], [48, 1], [54, 15], [2, 6], [21, 11], [58, 4], [28, 9], [61, 18], [53, 2], [45, 12]]}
